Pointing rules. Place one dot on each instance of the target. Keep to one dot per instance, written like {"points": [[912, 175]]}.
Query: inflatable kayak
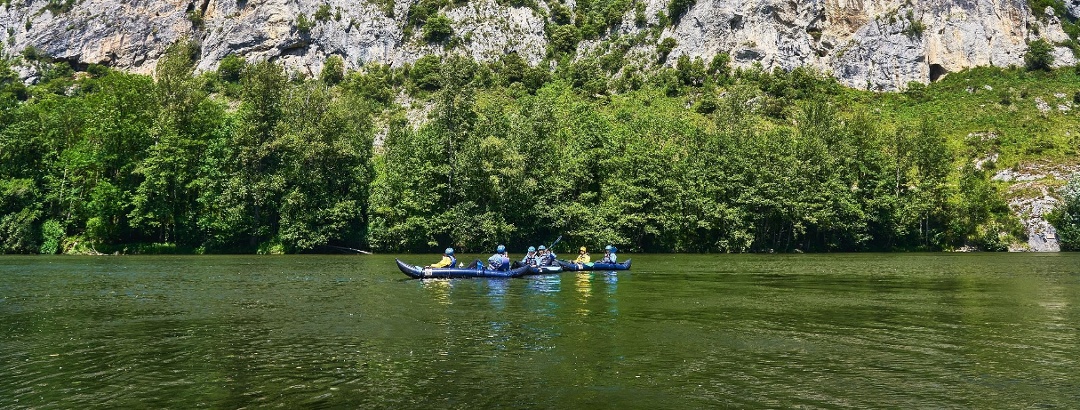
{"points": [[420, 272], [544, 270], [570, 266]]}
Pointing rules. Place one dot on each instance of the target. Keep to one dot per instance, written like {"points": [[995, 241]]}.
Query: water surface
{"points": [[679, 331]]}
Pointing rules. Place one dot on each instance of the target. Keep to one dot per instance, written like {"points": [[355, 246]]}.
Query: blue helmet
{"points": [[542, 247], [532, 249], [609, 248], [500, 249], [449, 251]]}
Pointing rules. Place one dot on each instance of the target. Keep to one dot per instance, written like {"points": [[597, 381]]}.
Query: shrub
{"points": [[52, 233], [916, 91], [915, 27], [1038, 56], [677, 8], [196, 18], [437, 29], [231, 67], [60, 6], [719, 66], [707, 105], [1066, 217], [303, 24], [425, 72], [323, 13], [560, 14], [333, 70], [564, 39], [664, 48]]}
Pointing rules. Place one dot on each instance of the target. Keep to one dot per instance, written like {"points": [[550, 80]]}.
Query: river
{"points": [[677, 332]]}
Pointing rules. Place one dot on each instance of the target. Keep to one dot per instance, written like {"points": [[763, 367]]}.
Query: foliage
{"points": [[695, 157], [304, 24], [333, 70], [422, 10], [664, 48], [915, 27], [231, 67], [1039, 55], [196, 18], [677, 8], [1066, 217], [322, 13], [59, 6], [53, 233], [564, 39], [437, 29], [425, 73]]}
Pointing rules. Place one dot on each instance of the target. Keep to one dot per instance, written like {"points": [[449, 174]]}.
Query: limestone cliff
{"points": [[881, 45]]}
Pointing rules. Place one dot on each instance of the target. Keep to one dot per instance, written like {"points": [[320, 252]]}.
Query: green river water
{"points": [[978, 331]]}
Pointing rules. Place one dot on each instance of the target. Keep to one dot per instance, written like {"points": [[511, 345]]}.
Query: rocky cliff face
{"points": [[880, 45]]}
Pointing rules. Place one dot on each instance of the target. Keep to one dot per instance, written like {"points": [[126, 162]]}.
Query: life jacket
{"points": [[453, 262]]}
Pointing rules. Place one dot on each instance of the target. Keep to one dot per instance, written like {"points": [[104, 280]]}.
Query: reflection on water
{"points": [[583, 284], [779, 331]]}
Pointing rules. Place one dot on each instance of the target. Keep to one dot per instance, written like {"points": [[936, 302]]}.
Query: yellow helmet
{"points": [[583, 249]]}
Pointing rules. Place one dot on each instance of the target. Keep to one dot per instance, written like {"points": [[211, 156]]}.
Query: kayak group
{"points": [[534, 256]]}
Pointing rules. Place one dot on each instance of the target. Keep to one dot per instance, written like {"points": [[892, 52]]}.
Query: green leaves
{"points": [[1066, 217]]}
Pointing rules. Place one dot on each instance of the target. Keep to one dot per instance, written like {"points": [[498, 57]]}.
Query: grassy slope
{"points": [[998, 101]]}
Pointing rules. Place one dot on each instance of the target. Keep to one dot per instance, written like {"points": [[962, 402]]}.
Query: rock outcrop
{"points": [[1033, 199], [880, 45]]}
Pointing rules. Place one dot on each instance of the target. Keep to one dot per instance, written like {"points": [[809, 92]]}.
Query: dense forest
{"points": [[696, 157]]}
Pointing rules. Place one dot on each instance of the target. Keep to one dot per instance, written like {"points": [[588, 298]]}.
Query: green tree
{"points": [[1066, 217], [1039, 55], [231, 67], [166, 200], [333, 71], [425, 73], [438, 29]]}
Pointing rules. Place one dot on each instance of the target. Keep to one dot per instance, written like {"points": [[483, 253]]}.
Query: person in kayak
{"points": [[609, 254], [545, 257], [582, 257], [530, 258], [448, 260], [499, 261]]}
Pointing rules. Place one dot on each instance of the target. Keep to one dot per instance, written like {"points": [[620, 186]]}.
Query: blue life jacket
{"points": [[548, 259], [453, 262], [498, 262]]}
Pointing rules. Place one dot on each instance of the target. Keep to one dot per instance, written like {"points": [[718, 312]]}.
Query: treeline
{"points": [[697, 158]]}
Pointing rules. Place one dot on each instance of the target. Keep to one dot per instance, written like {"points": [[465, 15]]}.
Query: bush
{"points": [[425, 72], [564, 39], [664, 48], [915, 27], [60, 6], [560, 14], [916, 91], [1038, 56], [52, 233], [1066, 218], [303, 24], [677, 8], [333, 70], [231, 67], [437, 29], [323, 13]]}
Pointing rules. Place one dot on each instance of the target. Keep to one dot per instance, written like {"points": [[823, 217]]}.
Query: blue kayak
{"points": [[544, 270], [420, 272], [570, 266]]}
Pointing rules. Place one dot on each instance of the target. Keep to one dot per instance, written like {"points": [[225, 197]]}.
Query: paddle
{"points": [[554, 243]]}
